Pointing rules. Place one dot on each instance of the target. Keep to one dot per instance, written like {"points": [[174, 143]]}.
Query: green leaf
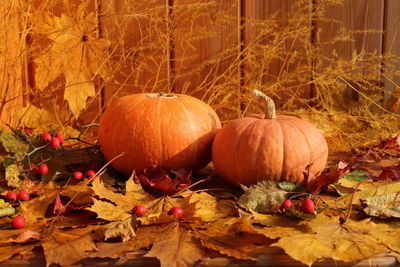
{"points": [[356, 175], [6, 209], [12, 144], [262, 197], [292, 187]]}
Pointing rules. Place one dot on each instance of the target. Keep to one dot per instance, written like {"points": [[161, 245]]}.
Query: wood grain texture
{"points": [[206, 51], [391, 48], [272, 60], [12, 62], [356, 16], [140, 46]]}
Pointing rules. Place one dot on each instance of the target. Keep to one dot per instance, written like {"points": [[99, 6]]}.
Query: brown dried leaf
{"points": [[66, 248], [75, 52], [234, 237], [134, 195], [367, 190], [176, 247], [208, 208], [108, 211], [115, 250], [27, 236], [121, 229], [325, 237], [384, 206]]}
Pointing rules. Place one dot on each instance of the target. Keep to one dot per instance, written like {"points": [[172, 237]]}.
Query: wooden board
{"points": [[364, 19], [12, 62], [272, 59], [140, 46], [206, 50], [392, 48]]}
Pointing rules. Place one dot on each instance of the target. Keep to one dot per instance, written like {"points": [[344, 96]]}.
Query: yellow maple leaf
{"points": [[176, 247], [325, 237], [75, 51]]}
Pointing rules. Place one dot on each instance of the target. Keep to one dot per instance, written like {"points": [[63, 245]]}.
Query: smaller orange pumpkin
{"points": [[251, 149]]}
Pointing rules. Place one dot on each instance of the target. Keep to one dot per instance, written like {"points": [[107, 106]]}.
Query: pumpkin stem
{"points": [[271, 110], [161, 95]]}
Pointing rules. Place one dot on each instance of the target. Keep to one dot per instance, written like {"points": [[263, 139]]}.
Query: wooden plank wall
{"points": [[169, 59], [12, 62]]}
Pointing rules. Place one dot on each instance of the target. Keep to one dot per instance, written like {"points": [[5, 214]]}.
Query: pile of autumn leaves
{"points": [[89, 219]]}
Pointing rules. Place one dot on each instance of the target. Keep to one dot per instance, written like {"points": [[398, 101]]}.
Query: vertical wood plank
{"points": [[277, 34], [12, 62], [391, 49], [206, 52], [362, 22], [140, 46], [356, 16]]}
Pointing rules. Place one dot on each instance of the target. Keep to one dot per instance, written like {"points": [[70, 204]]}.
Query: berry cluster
{"points": [[38, 171], [54, 141], [90, 174], [140, 211], [12, 196], [307, 206]]}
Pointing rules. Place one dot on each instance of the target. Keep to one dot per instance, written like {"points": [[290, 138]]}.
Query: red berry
{"points": [[286, 204], [33, 169], [91, 174], [55, 143], [139, 210], [43, 169], [23, 195], [77, 175], [308, 206], [18, 222], [60, 137], [178, 212], [46, 136], [11, 196]]}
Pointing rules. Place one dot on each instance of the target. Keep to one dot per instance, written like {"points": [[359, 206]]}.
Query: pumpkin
{"points": [[269, 147], [172, 131]]}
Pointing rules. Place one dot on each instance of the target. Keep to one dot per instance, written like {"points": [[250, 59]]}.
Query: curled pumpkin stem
{"points": [[270, 105]]}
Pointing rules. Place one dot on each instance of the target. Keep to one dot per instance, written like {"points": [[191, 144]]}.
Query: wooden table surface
{"points": [[273, 257]]}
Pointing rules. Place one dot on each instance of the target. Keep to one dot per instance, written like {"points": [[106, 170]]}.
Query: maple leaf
{"points": [[75, 51], [108, 211], [122, 229], [27, 236], [134, 195], [7, 252], [182, 248], [384, 206], [366, 190], [235, 237], [66, 248], [162, 182], [263, 196], [208, 208], [325, 237], [157, 210], [121, 251]]}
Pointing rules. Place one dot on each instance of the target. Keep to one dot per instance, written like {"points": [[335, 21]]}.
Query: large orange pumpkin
{"points": [[172, 131], [251, 149]]}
